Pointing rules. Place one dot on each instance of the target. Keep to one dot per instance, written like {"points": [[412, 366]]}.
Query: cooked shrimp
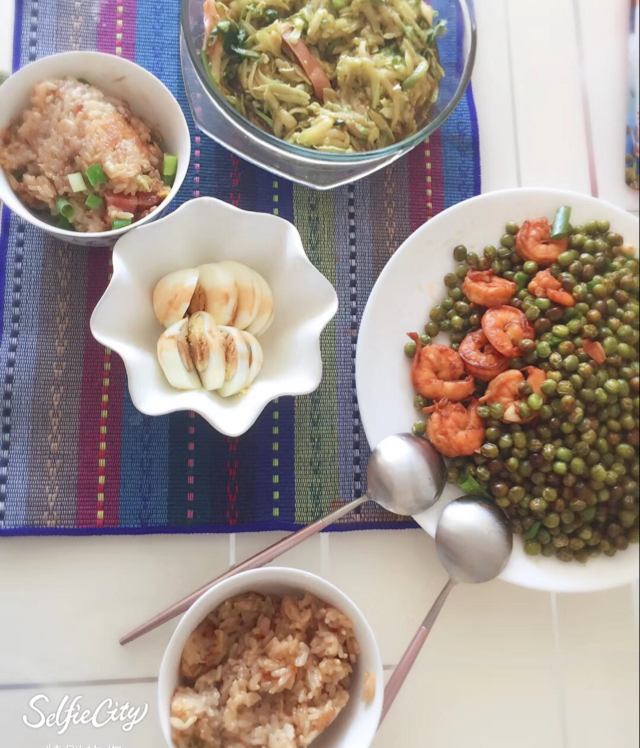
{"points": [[436, 372], [534, 242], [455, 430], [595, 350], [504, 389], [545, 286], [485, 288], [480, 358], [506, 327]]}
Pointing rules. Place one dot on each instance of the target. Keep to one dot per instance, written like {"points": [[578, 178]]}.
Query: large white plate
{"points": [[400, 302]]}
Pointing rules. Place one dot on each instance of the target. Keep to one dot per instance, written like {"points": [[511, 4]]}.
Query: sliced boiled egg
{"points": [[237, 357], [172, 295], [249, 293], [264, 317], [215, 293], [175, 357], [208, 349], [257, 358]]}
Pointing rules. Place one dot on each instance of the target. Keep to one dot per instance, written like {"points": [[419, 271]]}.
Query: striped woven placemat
{"points": [[76, 457]]}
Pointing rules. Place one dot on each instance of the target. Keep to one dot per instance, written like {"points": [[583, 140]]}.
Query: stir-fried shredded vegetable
{"points": [[335, 75]]}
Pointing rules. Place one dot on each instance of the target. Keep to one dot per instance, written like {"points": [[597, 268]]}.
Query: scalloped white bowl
{"points": [[208, 230]]}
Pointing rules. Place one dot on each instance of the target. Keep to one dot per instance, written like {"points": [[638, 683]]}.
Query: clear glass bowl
{"points": [[217, 118]]}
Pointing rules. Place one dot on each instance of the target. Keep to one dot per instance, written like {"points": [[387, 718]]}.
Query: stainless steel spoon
{"points": [[406, 475], [474, 543]]}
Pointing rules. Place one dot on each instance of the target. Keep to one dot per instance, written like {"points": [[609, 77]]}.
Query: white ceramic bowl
{"points": [[148, 98], [208, 230], [410, 284], [356, 726]]}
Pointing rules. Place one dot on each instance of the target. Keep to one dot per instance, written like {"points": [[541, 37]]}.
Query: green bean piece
{"points": [[561, 223]]}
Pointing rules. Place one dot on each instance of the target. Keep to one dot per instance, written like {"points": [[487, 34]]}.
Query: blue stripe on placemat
{"points": [[17, 34], [4, 247]]}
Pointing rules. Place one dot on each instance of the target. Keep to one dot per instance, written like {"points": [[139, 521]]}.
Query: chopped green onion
{"points": [[235, 103], [264, 116], [339, 4], [93, 201], [471, 486], [65, 208], [561, 223], [77, 182], [438, 29], [207, 67], [169, 165], [120, 223], [272, 14], [95, 175], [420, 71], [533, 532], [63, 223], [223, 27]]}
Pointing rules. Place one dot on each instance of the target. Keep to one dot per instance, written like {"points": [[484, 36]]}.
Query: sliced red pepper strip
{"points": [[310, 65], [132, 203], [595, 350]]}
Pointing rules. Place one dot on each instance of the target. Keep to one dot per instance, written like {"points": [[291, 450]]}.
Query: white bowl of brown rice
{"points": [[278, 658], [91, 145]]}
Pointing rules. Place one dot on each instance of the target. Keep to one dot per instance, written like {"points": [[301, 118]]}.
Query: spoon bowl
{"points": [[474, 540], [406, 474]]}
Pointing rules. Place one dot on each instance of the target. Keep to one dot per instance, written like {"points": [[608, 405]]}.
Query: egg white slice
{"points": [[264, 317], [249, 293], [237, 356], [215, 293], [175, 357], [172, 295], [257, 357], [207, 347]]}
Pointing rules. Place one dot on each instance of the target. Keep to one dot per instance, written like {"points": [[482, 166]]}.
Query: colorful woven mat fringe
{"points": [[76, 457]]}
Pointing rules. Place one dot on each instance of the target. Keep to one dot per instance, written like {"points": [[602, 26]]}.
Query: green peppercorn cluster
{"points": [[567, 478]]}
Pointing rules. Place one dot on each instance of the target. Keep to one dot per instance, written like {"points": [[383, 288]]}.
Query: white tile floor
{"points": [[505, 667]]}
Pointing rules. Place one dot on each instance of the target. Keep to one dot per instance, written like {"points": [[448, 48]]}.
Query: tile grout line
{"points": [[77, 684], [512, 91], [560, 670]]}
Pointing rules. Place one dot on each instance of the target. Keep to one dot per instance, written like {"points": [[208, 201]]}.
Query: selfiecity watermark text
{"points": [[70, 712]]}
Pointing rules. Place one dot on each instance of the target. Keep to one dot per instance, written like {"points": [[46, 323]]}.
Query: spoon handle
{"points": [[255, 562], [411, 655]]}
